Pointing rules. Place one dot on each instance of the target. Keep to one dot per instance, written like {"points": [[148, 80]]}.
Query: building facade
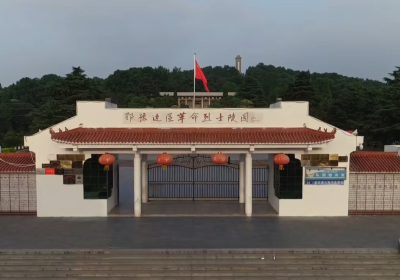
{"points": [[315, 183]]}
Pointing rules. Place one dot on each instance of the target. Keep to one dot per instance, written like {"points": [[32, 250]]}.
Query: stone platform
{"points": [[199, 232], [197, 208]]}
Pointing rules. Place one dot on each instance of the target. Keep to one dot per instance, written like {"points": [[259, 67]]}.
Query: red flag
{"points": [[200, 76]]}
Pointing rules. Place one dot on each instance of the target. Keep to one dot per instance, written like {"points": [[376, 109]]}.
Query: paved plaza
{"points": [[199, 232], [194, 209]]}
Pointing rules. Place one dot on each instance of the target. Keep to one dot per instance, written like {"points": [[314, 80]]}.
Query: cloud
{"points": [[356, 37]]}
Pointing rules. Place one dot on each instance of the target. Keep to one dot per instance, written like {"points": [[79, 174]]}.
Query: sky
{"points": [[358, 38]]}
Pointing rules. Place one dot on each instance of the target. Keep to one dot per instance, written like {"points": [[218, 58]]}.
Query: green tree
{"points": [[229, 86], [386, 114], [247, 104], [227, 102], [252, 90], [138, 102], [302, 89], [13, 139], [395, 80], [51, 113]]}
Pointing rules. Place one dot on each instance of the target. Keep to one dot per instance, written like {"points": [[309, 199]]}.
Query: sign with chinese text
{"points": [[325, 174], [318, 182], [190, 116]]}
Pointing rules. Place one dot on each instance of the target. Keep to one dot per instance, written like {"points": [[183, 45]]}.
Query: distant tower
{"points": [[239, 63]]}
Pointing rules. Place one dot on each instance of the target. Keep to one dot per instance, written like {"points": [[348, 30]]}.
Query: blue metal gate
{"points": [[196, 177]]}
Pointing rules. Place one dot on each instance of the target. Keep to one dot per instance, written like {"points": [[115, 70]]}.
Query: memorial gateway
{"points": [[308, 167]]}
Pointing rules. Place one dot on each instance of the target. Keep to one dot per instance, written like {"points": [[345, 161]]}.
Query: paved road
{"points": [[195, 233]]}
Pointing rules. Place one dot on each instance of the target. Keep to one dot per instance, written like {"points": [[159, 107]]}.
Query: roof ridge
{"points": [[214, 135], [374, 153], [190, 128], [29, 154]]}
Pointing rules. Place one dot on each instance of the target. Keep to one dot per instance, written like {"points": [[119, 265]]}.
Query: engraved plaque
{"points": [[343, 159], [305, 163], [76, 157], [55, 164], [77, 164], [333, 157], [305, 157]]}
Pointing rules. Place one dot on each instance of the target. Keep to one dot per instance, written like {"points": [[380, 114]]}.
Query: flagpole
{"points": [[194, 81]]}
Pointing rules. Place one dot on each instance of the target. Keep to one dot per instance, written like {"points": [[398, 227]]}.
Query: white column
{"points": [[249, 185], [241, 178], [137, 185], [145, 191], [115, 183], [271, 187]]}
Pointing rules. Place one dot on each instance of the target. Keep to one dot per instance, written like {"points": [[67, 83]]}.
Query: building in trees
{"points": [[202, 99], [238, 63]]}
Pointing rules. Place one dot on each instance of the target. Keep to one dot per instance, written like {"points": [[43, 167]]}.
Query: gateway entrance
{"points": [[196, 177]]}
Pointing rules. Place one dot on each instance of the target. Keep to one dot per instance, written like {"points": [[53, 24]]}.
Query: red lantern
{"points": [[106, 160], [164, 159], [281, 160], [219, 158]]}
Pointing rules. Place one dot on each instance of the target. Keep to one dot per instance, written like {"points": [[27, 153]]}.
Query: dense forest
{"points": [[371, 107]]}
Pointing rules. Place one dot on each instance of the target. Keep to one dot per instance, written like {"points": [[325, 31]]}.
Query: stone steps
{"points": [[201, 273], [133, 256], [201, 264], [199, 267], [218, 278], [199, 258]]}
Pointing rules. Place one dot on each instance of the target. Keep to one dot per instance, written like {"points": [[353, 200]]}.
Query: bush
{"points": [[8, 150]]}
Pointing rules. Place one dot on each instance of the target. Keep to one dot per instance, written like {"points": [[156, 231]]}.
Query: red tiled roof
{"points": [[193, 136], [17, 163], [374, 162]]}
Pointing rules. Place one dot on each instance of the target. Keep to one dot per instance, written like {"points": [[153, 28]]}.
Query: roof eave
{"points": [[187, 143]]}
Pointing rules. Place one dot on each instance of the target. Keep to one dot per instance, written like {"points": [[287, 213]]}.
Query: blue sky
{"points": [[357, 38]]}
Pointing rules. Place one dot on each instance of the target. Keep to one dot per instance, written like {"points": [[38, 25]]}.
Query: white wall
{"points": [[95, 115], [112, 201], [319, 200], [272, 199], [54, 199], [324, 200], [392, 148]]}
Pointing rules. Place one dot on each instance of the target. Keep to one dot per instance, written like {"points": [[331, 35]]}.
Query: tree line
{"points": [[372, 107]]}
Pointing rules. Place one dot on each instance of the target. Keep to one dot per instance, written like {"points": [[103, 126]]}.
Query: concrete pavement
{"points": [[199, 232]]}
